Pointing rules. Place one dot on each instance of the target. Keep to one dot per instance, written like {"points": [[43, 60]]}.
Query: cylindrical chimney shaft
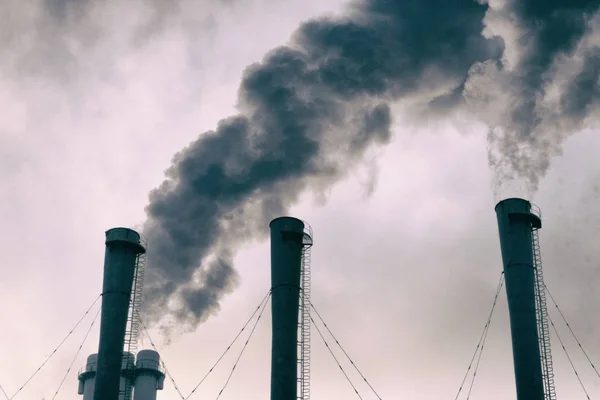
{"points": [[515, 224], [122, 249], [286, 259], [148, 375], [87, 378], [127, 376]]}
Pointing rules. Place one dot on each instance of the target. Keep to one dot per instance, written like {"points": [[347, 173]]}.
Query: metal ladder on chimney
{"points": [[133, 322], [304, 323], [542, 320]]}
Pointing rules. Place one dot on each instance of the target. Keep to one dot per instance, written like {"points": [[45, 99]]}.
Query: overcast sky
{"points": [[404, 274]]}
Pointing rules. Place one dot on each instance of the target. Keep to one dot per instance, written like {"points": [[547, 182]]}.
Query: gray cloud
{"points": [[67, 43], [308, 112]]}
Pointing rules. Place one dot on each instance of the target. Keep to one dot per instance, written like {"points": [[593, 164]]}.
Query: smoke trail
{"points": [[312, 109], [543, 89], [307, 113]]}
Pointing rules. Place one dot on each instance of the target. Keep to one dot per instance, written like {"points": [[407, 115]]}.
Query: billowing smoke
{"points": [[311, 110], [543, 89], [308, 112]]}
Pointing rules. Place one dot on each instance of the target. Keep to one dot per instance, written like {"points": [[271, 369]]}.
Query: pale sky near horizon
{"points": [[404, 277]]}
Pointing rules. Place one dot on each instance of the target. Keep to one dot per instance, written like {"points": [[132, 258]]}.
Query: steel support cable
{"points": [[231, 344], [243, 348], [4, 393], [569, 358], [161, 360], [56, 349], [344, 351], [481, 338], [571, 330], [479, 358], [487, 330], [77, 353], [335, 358]]}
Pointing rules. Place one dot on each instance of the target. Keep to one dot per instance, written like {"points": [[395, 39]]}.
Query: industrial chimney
{"points": [[149, 376], [127, 376], [515, 225], [287, 236], [123, 246], [87, 377]]}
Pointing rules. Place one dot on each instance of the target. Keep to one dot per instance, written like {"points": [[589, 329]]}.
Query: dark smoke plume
{"points": [[312, 109], [543, 89], [307, 113]]}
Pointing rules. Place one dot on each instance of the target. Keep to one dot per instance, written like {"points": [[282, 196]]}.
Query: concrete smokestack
{"points": [[122, 249], [515, 224], [149, 376], [127, 376], [87, 377], [286, 258]]}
